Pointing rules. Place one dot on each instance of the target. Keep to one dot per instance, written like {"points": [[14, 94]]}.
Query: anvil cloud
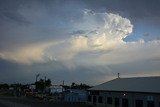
{"points": [[110, 29], [88, 41]]}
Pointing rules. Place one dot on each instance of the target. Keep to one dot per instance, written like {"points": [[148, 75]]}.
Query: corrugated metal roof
{"points": [[136, 84]]}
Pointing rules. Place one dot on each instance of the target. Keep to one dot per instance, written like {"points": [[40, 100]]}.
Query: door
{"points": [[94, 99], [116, 102], [124, 102], [150, 103], [139, 103]]}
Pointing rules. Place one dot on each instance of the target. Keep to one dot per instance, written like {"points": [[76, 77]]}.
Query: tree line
{"points": [[42, 84]]}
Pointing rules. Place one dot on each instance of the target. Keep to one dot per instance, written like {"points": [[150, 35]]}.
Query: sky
{"points": [[81, 41]]}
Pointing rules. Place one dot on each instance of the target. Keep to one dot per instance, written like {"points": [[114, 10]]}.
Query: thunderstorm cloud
{"points": [[88, 41]]}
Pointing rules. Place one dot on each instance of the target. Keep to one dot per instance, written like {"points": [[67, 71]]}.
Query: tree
{"points": [[84, 86], [48, 83], [4, 86], [80, 86], [42, 84]]}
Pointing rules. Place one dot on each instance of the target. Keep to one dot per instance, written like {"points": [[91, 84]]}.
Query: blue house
{"points": [[75, 95]]}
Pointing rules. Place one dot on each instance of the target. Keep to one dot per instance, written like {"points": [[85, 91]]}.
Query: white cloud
{"points": [[130, 52], [110, 30], [104, 47], [29, 54]]}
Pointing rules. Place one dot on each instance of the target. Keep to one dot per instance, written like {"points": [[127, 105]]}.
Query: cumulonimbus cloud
{"points": [[110, 31], [103, 47]]}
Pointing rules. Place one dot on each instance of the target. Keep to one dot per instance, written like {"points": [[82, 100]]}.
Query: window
{"points": [[150, 103], [124, 102], [95, 92], [109, 100], [139, 103], [116, 102], [89, 98], [100, 99]]}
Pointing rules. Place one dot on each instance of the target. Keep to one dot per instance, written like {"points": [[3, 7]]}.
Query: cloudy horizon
{"points": [[79, 41]]}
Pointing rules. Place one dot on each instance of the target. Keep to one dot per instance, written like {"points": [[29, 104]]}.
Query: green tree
{"points": [[80, 86], [4, 86], [41, 84], [48, 83]]}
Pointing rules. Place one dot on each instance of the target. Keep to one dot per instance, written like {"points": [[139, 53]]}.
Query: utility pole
{"points": [[62, 86], [36, 80], [118, 75], [45, 78], [44, 84], [37, 76]]}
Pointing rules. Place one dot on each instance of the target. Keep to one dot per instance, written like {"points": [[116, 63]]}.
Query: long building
{"points": [[126, 92]]}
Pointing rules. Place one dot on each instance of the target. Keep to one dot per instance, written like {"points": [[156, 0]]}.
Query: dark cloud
{"points": [[9, 11], [137, 10], [83, 32], [150, 37], [24, 22], [155, 60], [56, 71], [146, 34], [78, 32], [138, 68], [13, 73], [11, 16]]}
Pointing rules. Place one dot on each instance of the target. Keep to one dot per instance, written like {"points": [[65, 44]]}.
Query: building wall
{"points": [[109, 97], [75, 97], [56, 89]]}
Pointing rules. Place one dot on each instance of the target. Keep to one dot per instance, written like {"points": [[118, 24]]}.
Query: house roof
{"points": [[136, 84]]}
